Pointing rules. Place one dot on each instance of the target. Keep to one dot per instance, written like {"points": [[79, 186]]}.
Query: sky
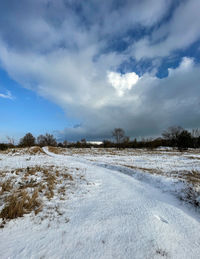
{"points": [[79, 69]]}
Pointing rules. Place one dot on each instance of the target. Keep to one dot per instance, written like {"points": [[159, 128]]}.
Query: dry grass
{"points": [[144, 169], [19, 204], [6, 186], [193, 157], [67, 176], [57, 150], [110, 151], [2, 174], [28, 195], [129, 152], [36, 150], [24, 151], [192, 177], [62, 190], [33, 170], [51, 182]]}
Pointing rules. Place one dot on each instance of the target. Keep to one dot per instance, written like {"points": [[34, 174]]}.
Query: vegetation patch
{"points": [[27, 190], [20, 203], [148, 170], [35, 150], [57, 150], [18, 151]]}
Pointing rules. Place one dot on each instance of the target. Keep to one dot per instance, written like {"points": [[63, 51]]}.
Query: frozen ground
{"points": [[120, 204]]}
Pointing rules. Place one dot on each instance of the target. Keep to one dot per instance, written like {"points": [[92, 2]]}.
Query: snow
{"points": [[169, 171], [115, 213]]}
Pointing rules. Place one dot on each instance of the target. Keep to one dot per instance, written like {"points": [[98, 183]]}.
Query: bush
{"points": [[3, 146]]}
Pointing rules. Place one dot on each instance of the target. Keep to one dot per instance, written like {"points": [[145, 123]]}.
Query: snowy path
{"points": [[119, 218]]}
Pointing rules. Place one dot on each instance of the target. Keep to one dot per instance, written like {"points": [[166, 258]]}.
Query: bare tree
{"points": [[118, 134], [196, 133], [126, 139], [65, 143], [10, 140], [27, 141], [196, 137], [46, 140], [172, 133]]}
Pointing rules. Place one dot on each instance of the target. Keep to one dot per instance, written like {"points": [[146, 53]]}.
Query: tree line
{"points": [[175, 137], [29, 140]]}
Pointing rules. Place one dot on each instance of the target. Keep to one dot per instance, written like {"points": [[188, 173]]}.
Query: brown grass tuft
{"points": [[192, 177], [50, 180], [6, 186], [56, 150], [36, 150], [67, 176], [28, 194], [19, 204], [148, 170]]}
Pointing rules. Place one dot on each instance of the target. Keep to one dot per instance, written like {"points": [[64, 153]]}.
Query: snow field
{"points": [[113, 211]]}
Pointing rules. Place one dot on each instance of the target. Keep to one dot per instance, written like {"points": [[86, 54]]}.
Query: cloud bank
{"points": [[74, 55]]}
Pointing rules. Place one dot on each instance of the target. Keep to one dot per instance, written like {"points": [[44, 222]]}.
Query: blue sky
{"points": [[77, 73], [25, 111]]}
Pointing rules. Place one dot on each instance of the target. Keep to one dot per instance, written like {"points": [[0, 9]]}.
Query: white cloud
{"points": [[8, 95], [122, 82], [179, 32], [185, 65]]}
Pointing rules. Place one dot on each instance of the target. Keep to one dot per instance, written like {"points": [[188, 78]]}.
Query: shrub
{"points": [[3, 146]]}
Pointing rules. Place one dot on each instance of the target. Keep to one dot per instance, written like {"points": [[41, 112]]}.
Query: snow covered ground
{"points": [[172, 171], [116, 204]]}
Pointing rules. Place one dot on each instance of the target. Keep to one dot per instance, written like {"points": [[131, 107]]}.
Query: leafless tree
{"points": [[196, 137], [196, 133], [65, 143], [46, 140], [10, 140], [172, 134], [126, 139], [27, 141], [118, 134]]}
